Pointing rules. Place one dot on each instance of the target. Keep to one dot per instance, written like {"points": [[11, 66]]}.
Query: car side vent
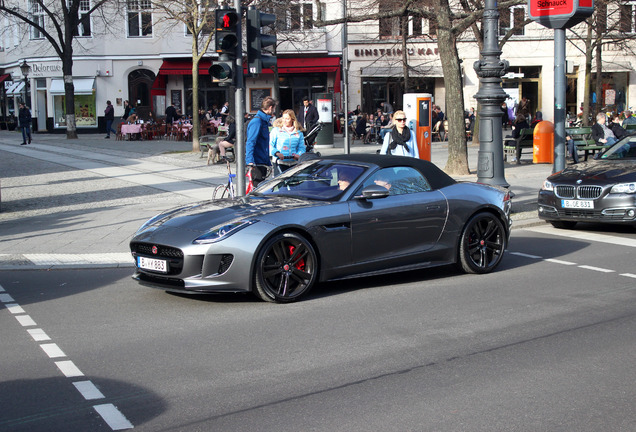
{"points": [[226, 262]]}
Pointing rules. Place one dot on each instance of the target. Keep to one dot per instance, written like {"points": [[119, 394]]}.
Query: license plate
{"points": [[577, 204], [152, 264]]}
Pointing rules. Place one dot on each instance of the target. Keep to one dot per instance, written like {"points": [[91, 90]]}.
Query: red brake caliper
{"points": [[301, 262]]}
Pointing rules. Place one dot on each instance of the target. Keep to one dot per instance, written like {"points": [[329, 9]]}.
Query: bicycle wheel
{"points": [[220, 192]]}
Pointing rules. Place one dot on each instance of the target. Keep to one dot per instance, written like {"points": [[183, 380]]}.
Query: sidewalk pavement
{"points": [[76, 203]]}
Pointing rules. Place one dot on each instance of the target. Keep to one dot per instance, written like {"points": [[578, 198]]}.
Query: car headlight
{"points": [[223, 231], [547, 186], [628, 188]]}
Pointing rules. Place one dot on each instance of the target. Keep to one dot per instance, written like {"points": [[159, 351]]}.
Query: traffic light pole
{"points": [[239, 101]]}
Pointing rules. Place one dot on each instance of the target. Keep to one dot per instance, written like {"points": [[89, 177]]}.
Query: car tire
{"points": [[286, 268], [563, 224], [482, 244]]}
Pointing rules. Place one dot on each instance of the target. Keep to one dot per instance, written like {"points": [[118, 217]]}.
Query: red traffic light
{"points": [[226, 19]]}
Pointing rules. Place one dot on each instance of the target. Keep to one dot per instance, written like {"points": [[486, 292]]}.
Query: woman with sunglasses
{"points": [[400, 141]]}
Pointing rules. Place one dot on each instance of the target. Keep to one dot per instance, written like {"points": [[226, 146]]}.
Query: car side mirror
{"points": [[373, 192]]}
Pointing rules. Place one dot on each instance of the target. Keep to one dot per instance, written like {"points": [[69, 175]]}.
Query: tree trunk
{"points": [[587, 90], [599, 80], [457, 163], [196, 124]]}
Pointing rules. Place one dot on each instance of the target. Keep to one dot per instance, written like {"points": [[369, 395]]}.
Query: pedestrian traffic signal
{"points": [[256, 41], [226, 34], [222, 71]]}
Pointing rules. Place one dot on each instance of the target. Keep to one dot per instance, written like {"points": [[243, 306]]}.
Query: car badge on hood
{"points": [[154, 250], [579, 181]]}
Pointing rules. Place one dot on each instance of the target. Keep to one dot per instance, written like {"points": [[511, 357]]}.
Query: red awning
{"points": [[305, 65], [5, 77], [183, 67]]}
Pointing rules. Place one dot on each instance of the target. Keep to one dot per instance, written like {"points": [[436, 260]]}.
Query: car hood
{"points": [[200, 217], [598, 171]]}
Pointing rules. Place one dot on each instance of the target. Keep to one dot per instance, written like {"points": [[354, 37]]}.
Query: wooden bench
{"points": [[582, 137], [516, 145]]}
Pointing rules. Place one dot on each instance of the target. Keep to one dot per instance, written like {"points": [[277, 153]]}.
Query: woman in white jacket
{"points": [[400, 141]]}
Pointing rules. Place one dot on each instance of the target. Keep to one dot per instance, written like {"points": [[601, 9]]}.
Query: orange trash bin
{"points": [[543, 143]]}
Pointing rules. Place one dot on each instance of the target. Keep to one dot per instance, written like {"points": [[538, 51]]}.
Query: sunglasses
{"points": [[402, 119]]}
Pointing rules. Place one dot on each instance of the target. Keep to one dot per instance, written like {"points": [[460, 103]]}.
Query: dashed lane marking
{"points": [[109, 412]]}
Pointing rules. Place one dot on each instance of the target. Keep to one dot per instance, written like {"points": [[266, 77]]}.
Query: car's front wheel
{"points": [[482, 243], [286, 268]]}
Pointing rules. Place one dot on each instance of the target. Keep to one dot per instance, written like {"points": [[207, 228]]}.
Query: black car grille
{"points": [[582, 192], [173, 256]]}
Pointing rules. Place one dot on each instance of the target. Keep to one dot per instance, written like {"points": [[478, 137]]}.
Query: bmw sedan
{"points": [[602, 190], [325, 219]]}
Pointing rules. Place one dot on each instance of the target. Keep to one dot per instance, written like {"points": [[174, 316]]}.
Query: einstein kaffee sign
{"points": [[559, 14]]}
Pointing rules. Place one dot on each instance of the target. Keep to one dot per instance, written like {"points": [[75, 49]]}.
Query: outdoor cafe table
{"points": [[129, 129]]}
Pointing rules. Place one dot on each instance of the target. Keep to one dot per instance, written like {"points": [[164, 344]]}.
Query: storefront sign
{"points": [[394, 52], [560, 13], [46, 69]]}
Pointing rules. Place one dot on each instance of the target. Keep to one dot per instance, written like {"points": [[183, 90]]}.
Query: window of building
{"points": [[296, 17], [37, 16], [139, 13], [601, 17], [626, 23], [84, 26], [512, 18]]}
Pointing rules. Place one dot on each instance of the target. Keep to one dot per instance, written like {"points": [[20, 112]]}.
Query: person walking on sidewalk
{"points": [[257, 140], [24, 122], [109, 116]]}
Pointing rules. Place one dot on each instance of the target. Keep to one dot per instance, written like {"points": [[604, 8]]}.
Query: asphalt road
{"points": [[545, 343]]}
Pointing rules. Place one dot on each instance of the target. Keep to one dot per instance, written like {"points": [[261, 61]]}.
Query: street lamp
{"points": [[25, 69]]}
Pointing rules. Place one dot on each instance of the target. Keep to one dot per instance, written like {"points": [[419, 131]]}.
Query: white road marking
{"points": [[598, 269], [629, 275], [15, 308], [113, 417], [38, 335], [1, 289], [525, 255], [581, 235], [52, 350], [69, 369], [25, 320], [556, 261], [88, 390], [6, 298]]}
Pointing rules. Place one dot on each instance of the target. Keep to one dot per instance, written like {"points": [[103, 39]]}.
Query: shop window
{"points": [[84, 27], [512, 19], [85, 110], [626, 23], [37, 16], [139, 14]]}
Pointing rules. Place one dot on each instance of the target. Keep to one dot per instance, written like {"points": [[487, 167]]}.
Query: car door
{"points": [[399, 227]]}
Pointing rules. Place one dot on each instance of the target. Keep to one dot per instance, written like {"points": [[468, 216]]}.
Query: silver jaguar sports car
{"points": [[325, 219]]}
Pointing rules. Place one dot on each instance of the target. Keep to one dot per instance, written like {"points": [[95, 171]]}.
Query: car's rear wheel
{"points": [[286, 268], [482, 244], [563, 224]]}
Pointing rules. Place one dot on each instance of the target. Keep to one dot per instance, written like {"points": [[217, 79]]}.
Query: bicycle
{"points": [[229, 191]]}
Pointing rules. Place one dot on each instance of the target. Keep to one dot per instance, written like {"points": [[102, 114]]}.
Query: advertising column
{"points": [[324, 105]]}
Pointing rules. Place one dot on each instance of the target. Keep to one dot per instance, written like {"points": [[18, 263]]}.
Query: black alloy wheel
{"points": [[482, 244], [286, 268]]}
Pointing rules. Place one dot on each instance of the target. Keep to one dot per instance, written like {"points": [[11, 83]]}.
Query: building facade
{"points": [[138, 57]]}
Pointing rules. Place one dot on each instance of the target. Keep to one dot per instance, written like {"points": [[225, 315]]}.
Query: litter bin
{"points": [[543, 143]]}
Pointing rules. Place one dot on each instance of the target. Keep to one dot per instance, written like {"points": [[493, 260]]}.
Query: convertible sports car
{"points": [[601, 190], [325, 219]]}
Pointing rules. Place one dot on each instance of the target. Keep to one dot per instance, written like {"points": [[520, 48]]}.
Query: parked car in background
{"points": [[602, 190], [321, 220]]}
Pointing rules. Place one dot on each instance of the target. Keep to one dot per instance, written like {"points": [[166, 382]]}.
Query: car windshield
{"points": [[624, 149], [319, 180]]}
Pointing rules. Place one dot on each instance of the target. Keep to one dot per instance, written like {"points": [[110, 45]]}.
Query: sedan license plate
{"points": [[152, 264], [577, 204]]}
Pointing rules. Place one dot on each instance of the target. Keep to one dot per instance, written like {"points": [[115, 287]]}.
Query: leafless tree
{"points": [[58, 22]]}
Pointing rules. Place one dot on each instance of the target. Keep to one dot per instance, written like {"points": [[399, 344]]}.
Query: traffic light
{"points": [[222, 71], [256, 41], [226, 34]]}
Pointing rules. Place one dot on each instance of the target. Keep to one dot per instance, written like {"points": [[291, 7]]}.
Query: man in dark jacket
{"points": [[308, 114], [24, 122], [257, 140], [109, 116]]}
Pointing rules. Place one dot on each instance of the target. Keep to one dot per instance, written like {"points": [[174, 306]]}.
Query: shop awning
{"points": [[16, 88], [305, 65], [394, 71], [83, 86], [183, 67], [5, 77]]}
